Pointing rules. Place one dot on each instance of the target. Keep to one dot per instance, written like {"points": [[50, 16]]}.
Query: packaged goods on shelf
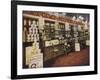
{"points": [[28, 37], [32, 37], [87, 42], [77, 47], [33, 22], [29, 22], [31, 30]]}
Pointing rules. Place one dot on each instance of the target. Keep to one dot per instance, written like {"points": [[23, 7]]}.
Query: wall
{"points": [[5, 29]]}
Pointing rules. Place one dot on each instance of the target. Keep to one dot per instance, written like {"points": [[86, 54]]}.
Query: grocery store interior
{"points": [[55, 39]]}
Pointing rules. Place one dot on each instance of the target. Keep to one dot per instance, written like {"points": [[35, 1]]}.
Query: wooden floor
{"points": [[80, 58]]}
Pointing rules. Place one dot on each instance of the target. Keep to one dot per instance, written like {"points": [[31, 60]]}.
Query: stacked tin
{"points": [[33, 33]]}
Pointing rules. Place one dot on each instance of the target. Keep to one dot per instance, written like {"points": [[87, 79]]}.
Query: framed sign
{"points": [[53, 39]]}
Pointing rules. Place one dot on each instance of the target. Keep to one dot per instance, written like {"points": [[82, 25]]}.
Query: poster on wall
{"points": [[52, 39]]}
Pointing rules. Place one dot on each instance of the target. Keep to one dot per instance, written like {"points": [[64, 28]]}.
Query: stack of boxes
{"points": [[34, 57], [33, 33]]}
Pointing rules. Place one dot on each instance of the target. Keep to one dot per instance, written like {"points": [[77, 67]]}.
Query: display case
{"points": [[54, 41]]}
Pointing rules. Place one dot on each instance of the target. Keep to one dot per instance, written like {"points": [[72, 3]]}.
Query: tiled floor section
{"points": [[72, 59]]}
